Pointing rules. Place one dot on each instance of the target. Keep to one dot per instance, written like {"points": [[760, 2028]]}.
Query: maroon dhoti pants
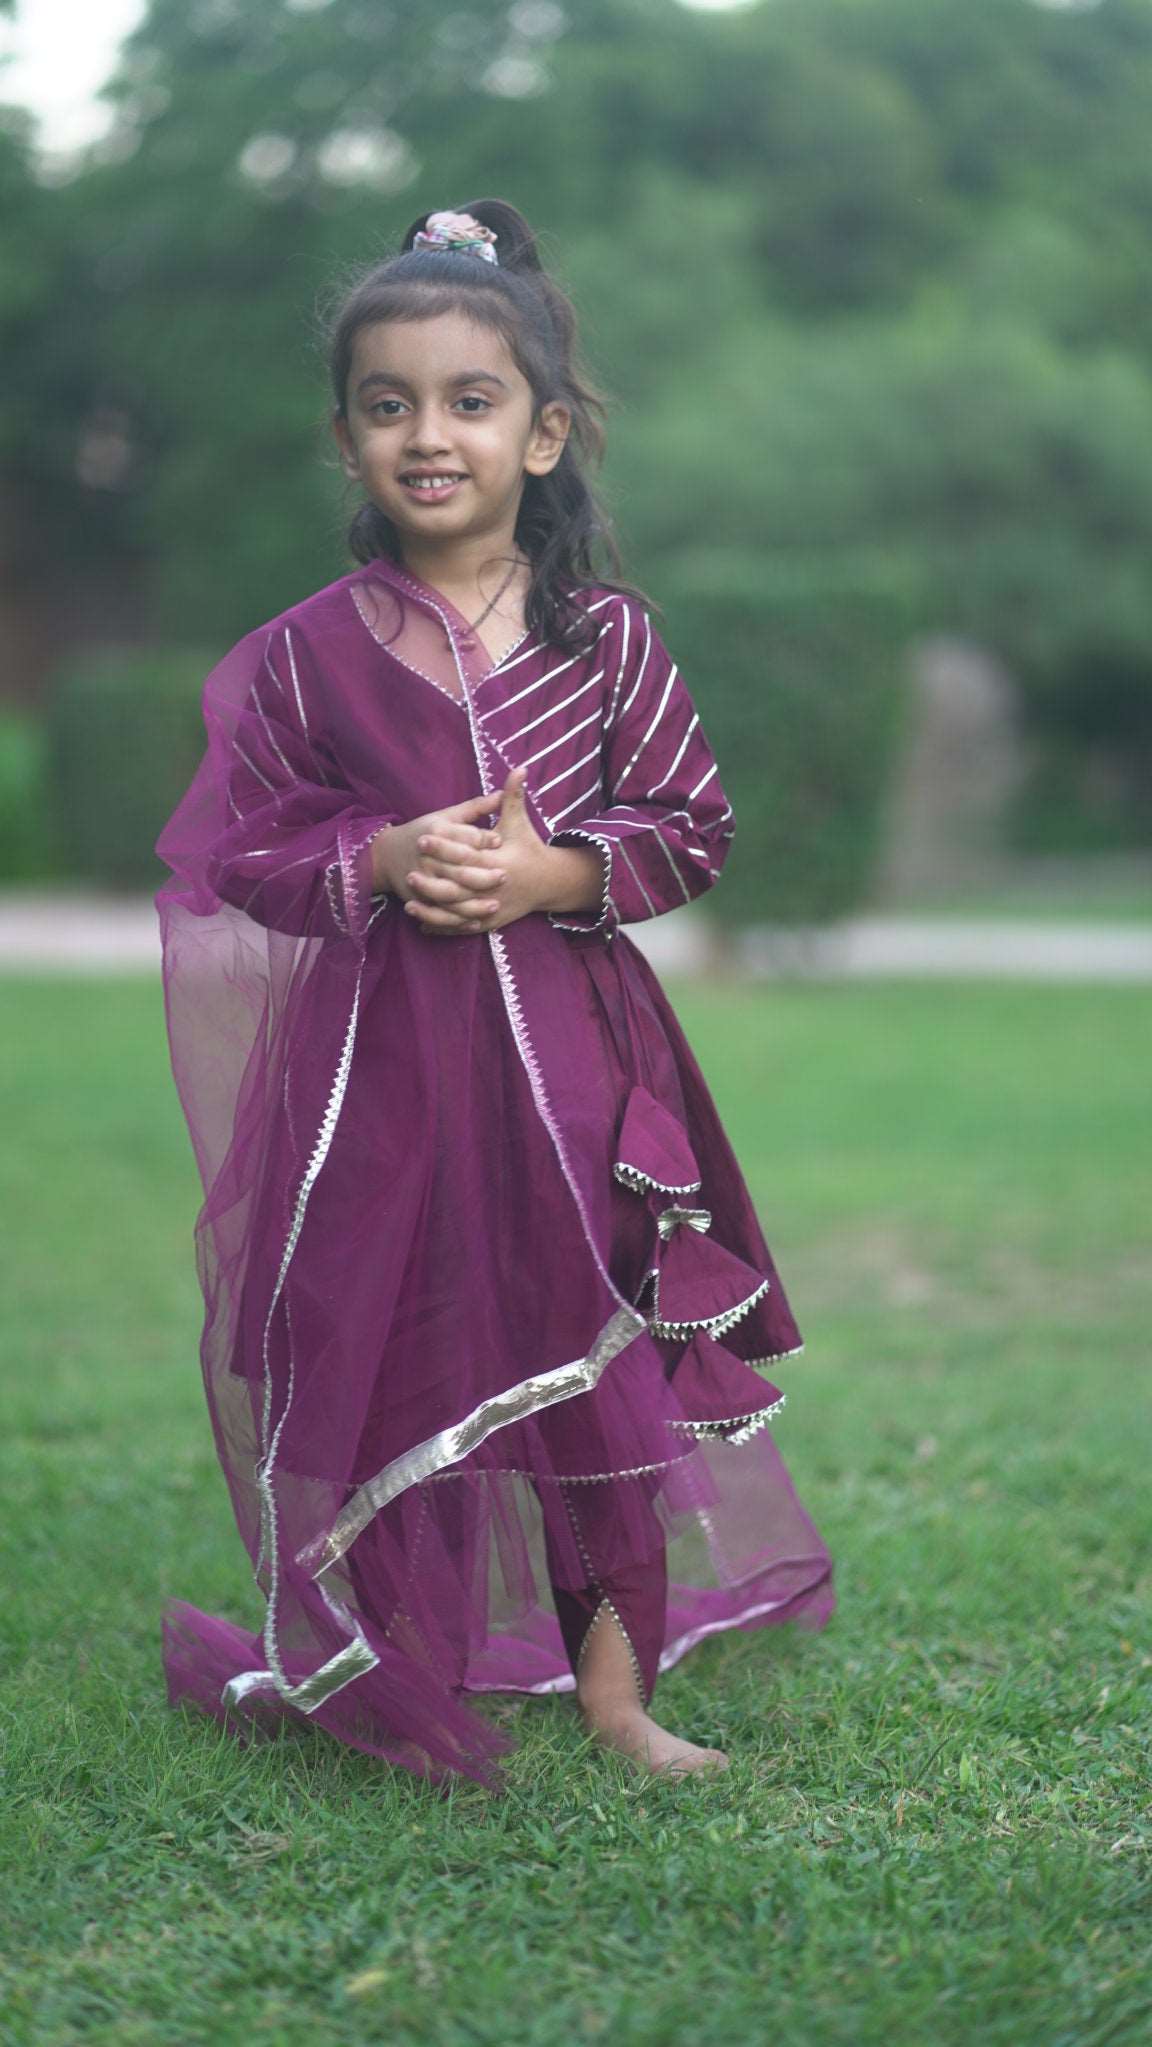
{"points": [[589, 1576], [634, 1592]]}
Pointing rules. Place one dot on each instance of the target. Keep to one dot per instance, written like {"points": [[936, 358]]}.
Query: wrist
{"points": [[573, 878], [385, 858]]}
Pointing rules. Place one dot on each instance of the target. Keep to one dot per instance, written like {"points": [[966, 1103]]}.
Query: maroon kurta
{"points": [[485, 1289]]}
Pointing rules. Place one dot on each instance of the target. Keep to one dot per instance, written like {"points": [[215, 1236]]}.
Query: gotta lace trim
{"points": [[409, 665], [357, 1656], [451, 630], [330, 874], [716, 1325], [772, 1357], [426, 1459], [564, 1477], [604, 1607], [740, 1428], [631, 1176], [606, 903], [344, 865], [352, 879]]}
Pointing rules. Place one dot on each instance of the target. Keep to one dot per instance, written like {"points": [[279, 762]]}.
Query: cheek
{"points": [[377, 451]]}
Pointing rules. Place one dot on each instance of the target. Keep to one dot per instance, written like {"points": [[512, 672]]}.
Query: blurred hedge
{"points": [[124, 733], [798, 671], [796, 667], [29, 851]]}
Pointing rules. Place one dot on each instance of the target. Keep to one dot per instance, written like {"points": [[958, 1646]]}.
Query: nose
{"points": [[427, 435]]}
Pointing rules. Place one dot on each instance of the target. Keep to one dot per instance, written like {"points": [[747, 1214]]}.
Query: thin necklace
{"points": [[499, 594]]}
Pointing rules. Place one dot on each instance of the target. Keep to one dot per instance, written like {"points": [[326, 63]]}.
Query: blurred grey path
{"points": [[78, 934]]}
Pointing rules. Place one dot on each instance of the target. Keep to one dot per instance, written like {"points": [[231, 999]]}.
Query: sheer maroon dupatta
{"points": [[409, 1154]]}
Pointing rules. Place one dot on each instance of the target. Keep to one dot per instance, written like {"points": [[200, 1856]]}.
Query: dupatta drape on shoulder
{"points": [[432, 1198]]}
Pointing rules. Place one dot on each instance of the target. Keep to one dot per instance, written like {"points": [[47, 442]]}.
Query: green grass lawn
{"points": [[936, 1828]]}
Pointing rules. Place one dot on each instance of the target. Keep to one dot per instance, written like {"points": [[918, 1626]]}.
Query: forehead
{"points": [[426, 352]]}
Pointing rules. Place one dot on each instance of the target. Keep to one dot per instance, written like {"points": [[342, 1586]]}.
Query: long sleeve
{"points": [[296, 850], [660, 817]]}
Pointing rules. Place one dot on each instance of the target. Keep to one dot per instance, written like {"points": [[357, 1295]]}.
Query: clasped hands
{"points": [[456, 875]]}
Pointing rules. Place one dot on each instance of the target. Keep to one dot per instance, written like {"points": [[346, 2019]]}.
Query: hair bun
{"points": [[460, 231]]}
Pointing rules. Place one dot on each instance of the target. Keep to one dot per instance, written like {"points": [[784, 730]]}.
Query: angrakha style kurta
{"points": [[486, 1294]]}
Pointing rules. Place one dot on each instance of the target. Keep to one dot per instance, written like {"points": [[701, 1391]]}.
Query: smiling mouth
{"points": [[434, 487]]}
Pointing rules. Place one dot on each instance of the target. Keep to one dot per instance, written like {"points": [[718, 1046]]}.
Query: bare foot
{"points": [[634, 1733], [612, 1707]]}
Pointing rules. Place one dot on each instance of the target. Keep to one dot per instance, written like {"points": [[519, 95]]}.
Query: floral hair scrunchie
{"points": [[457, 231]]}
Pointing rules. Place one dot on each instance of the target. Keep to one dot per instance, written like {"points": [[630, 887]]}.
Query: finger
{"points": [[452, 852], [469, 880], [459, 835], [434, 917], [432, 888], [475, 806]]}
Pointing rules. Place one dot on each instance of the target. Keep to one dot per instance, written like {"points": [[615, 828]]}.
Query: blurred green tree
{"points": [[867, 276]]}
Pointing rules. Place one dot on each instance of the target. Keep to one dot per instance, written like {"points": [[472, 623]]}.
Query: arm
{"points": [[664, 830], [296, 850]]}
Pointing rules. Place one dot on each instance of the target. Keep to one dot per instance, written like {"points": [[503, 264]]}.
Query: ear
{"points": [[546, 443], [349, 459]]}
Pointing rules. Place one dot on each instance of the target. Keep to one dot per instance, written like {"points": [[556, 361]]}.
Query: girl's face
{"points": [[444, 396]]}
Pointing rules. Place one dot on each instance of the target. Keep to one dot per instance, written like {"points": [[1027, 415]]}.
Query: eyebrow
{"points": [[401, 383]]}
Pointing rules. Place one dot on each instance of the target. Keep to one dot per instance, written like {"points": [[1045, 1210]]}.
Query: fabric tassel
{"points": [[697, 1284], [721, 1395], [652, 1150]]}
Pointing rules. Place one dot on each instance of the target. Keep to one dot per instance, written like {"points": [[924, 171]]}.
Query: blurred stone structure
{"points": [[960, 766]]}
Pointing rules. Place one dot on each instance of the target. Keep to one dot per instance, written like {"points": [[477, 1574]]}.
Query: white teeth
{"points": [[431, 482]]}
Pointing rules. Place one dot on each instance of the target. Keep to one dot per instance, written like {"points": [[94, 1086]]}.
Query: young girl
{"points": [[485, 1290]]}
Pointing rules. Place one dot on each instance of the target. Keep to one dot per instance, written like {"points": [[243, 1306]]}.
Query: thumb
{"points": [[512, 809]]}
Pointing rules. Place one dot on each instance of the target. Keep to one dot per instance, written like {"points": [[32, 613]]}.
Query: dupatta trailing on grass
{"points": [[484, 1288]]}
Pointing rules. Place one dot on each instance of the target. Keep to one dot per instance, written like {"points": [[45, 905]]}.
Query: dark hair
{"points": [[561, 519]]}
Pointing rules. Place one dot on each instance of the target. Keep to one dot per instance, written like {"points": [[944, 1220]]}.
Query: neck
{"points": [[470, 572]]}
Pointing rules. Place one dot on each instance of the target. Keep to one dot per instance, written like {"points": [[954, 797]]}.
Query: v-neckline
{"points": [[464, 629]]}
